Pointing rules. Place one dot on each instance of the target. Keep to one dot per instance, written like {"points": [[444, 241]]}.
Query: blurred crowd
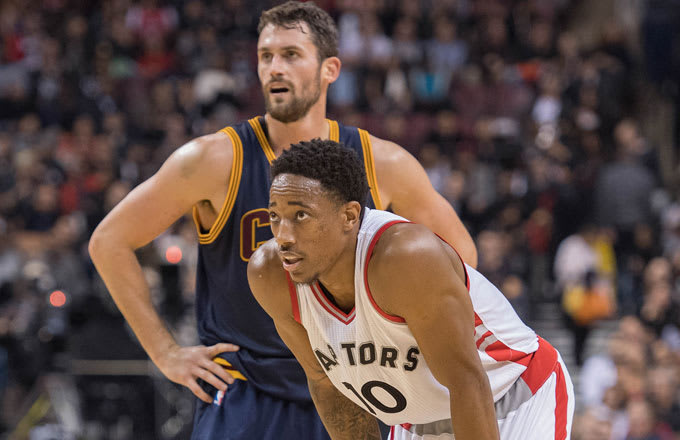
{"points": [[532, 134]]}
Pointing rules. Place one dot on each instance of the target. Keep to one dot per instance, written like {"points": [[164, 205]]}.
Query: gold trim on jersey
{"points": [[369, 163], [264, 143], [232, 191], [333, 134], [227, 366], [334, 130]]}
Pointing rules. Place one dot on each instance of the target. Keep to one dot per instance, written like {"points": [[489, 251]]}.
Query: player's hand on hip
{"points": [[185, 365]]}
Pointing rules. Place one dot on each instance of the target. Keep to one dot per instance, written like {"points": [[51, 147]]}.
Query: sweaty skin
{"points": [[197, 175], [412, 274]]}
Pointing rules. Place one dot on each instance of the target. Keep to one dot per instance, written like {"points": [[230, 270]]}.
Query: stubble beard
{"points": [[297, 108], [309, 279]]}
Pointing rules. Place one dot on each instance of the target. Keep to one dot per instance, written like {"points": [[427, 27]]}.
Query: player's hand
{"points": [[185, 365]]}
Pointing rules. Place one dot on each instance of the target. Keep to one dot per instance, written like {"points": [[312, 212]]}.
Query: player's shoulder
{"points": [[209, 147], [265, 259], [387, 151], [200, 156], [405, 245], [267, 278], [407, 258]]}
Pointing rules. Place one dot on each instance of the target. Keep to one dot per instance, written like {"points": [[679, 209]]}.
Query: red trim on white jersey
{"points": [[484, 336], [501, 352], [478, 320], [293, 298], [331, 308], [369, 253], [498, 350]]}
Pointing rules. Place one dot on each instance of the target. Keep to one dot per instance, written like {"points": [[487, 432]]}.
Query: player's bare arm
{"points": [[405, 187], [342, 418], [194, 174], [413, 274]]}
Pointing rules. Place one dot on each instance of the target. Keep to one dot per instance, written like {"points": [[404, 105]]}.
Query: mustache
{"points": [[289, 249], [285, 248]]}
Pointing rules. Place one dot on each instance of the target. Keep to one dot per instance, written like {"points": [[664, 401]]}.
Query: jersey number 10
{"points": [[367, 393]]}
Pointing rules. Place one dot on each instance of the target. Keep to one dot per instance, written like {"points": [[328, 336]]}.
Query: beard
{"points": [[298, 106], [305, 280]]}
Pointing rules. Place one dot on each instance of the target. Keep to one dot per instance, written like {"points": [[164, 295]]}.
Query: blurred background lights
{"points": [[57, 298], [173, 254]]}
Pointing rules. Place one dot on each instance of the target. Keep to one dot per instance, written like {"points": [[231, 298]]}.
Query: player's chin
{"points": [[302, 277], [279, 99]]}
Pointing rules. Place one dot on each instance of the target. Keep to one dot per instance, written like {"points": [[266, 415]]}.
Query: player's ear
{"points": [[330, 69], [351, 215]]}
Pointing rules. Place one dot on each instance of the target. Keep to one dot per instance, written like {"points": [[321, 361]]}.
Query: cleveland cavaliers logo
{"points": [[254, 231]]}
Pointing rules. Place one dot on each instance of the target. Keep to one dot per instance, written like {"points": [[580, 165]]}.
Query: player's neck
{"points": [[339, 279], [312, 125]]}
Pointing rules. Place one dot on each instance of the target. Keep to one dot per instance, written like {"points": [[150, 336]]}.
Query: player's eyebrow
{"points": [[297, 203], [293, 203], [290, 47]]}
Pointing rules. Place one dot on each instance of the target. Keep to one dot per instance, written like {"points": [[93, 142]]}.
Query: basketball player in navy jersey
{"points": [[248, 383], [389, 323]]}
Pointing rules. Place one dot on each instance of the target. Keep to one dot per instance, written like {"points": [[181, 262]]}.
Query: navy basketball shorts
{"points": [[244, 413]]}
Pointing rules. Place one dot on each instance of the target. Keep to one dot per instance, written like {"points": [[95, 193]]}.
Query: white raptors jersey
{"points": [[373, 358]]}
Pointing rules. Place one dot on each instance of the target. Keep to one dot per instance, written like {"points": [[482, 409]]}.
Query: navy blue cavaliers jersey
{"points": [[226, 309]]}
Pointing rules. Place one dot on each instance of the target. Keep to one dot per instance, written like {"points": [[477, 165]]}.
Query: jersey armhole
{"points": [[294, 303], [232, 191], [465, 271], [369, 253], [369, 165]]}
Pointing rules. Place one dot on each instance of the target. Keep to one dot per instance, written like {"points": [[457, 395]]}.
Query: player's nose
{"points": [[277, 67], [284, 235]]}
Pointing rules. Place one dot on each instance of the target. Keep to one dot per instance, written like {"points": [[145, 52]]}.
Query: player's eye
{"points": [[273, 217], [266, 56], [301, 215], [291, 54]]}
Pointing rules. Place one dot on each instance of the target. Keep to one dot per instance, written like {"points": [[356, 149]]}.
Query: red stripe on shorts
{"points": [[561, 404], [543, 363]]}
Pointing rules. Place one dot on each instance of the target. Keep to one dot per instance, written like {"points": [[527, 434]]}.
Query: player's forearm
{"points": [[472, 411], [119, 268], [341, 417]]}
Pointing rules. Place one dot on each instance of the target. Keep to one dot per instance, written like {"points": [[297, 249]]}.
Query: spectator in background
{"points": [[148, 19], [585, 303], [663, 395], [643, 422], [599, 371], [445, 51], [436, 166], [671, 229], [623, 189]]}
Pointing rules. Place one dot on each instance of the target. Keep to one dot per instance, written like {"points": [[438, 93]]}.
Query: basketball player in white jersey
{"points": [[388, 322]]}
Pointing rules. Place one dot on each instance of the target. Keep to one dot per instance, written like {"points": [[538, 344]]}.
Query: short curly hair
{"points": [[292, 13], [337, 167]]}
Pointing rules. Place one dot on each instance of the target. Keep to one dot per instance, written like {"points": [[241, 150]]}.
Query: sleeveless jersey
{"points": [[226, 309], [373, 358]]}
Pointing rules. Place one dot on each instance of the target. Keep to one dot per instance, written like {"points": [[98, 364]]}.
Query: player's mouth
{"points": [[279, 88], [290, 262]]}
